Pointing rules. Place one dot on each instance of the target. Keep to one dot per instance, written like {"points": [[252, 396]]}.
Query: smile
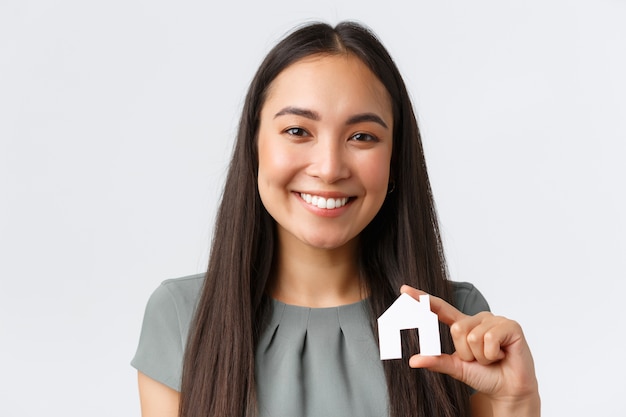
{"points": [[324, 203]]}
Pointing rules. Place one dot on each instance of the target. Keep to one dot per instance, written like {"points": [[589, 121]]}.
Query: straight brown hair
{"points": [[401, 245]]}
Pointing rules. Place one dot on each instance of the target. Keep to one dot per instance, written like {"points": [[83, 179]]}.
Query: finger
{"points": [[468, 332], [465, 345], [413, 292], [476, 342], [483, 335], [445, 364], [458, 332], [446, 312], [501, 334]]}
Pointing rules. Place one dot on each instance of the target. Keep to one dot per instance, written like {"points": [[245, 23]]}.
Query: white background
{"points": [[116, 124]]}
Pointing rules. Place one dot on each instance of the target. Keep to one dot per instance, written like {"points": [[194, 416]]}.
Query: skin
{"points": [[326, 129], [157, 399], [491, 355]]}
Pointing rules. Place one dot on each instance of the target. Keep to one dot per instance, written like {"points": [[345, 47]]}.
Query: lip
{"points": [[325, 194], [336, 212]]}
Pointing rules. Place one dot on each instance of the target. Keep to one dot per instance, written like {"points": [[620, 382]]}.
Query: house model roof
{"points": [[408, 313]]}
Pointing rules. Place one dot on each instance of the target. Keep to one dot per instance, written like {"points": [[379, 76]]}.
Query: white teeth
{"points": [[324, 203]]}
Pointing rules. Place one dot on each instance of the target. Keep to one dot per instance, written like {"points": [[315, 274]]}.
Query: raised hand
{"points": [[491, 356]]}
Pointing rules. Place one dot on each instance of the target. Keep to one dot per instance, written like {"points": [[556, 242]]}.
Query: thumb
{"points": [[470, 373], [445, 364]]}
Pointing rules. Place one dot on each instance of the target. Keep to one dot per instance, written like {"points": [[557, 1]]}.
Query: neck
{"points": [[314, 277]]}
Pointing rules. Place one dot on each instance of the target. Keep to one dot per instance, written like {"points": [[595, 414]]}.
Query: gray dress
{"points": [[310, 362]]}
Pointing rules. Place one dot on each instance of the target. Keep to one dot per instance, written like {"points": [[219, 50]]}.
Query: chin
{"points": [[326, 243], [325, 246]]}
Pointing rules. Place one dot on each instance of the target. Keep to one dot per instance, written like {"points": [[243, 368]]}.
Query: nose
{"points": [[329, 161]]}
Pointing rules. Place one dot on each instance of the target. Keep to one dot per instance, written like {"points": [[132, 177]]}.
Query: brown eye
{"points": [[296, 131], [364, 137]]}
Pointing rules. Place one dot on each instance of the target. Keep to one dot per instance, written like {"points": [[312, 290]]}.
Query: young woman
{"points": [[326, 213]]}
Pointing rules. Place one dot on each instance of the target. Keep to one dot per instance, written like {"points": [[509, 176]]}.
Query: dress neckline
{"points": [[349, 306]]}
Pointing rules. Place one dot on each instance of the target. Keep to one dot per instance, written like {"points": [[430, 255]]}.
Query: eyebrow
{"points": [[310, 114], [366, 117]]}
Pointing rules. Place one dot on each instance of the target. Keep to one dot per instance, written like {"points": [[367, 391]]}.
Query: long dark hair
{"points": [[401, 245]]}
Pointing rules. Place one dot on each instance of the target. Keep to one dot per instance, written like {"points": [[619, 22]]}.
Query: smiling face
{"points": [[324, 142]]}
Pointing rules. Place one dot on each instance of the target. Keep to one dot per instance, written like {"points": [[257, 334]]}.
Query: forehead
{"points": [[334, 83]]}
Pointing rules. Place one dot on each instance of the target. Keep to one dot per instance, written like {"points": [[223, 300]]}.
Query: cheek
{"points": [[375, 173], [275, 165]]}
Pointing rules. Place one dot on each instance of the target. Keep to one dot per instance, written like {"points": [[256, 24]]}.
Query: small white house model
{"points": [[408, 313]]}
